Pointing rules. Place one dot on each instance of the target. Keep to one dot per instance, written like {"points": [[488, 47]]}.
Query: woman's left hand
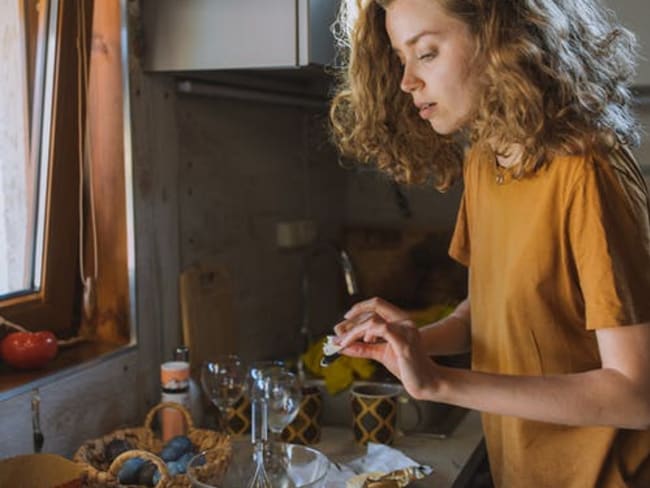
{"points": [[395, 344]]}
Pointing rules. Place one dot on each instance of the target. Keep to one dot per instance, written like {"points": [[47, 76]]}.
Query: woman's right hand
{"points": [[376, 305], [376, 329]]}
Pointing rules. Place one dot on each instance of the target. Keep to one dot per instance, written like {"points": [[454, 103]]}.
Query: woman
{"points": [[554, 224]]}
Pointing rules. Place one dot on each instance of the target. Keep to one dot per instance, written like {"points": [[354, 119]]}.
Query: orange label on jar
{"points": [[175, 375], [172, 420]]}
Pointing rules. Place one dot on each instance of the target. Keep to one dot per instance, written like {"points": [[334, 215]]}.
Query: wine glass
{"points": [[224, 380], [257, 390], [284, 393], [283, 396]]}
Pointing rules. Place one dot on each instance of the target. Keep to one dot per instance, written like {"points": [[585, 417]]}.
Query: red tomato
{"points": [[29, 350]]}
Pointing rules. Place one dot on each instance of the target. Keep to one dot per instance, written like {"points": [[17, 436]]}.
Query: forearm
{"points": [[450, 335], [598, 397]]}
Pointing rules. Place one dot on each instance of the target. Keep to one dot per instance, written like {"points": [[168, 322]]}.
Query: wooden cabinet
{"points": [[228, 34], [86, 404]]}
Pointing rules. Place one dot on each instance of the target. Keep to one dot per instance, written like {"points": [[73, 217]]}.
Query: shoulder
{"points": [[617, 166], [477, 157], [613, 177], [621, 164], [621, 170]]}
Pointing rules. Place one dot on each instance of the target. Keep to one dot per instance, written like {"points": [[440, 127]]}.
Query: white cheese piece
{"points": [[329, 347]]}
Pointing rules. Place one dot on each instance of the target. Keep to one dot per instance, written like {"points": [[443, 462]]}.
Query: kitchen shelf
{"points": [[14, 382]]}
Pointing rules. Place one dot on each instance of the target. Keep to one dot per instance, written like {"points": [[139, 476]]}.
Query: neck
{"points": [[510, 156]]}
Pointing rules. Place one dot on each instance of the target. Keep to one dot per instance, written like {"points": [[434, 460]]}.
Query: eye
{"points": [[428, 55]]}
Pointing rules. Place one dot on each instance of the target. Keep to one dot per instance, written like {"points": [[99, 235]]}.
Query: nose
{"points": [[410, 81]]}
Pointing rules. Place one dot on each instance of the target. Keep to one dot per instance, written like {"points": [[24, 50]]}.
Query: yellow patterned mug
{"points": [[238, 419], [306, 427], [374, 412]]}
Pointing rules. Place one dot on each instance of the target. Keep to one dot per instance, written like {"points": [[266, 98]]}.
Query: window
{"points": [[64, 92], [21, 103], [39, 178]]}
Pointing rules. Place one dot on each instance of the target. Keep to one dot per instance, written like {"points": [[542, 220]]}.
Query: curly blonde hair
{"points": [[556, 81]]}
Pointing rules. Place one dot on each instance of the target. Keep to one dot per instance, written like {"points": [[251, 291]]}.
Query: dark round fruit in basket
{"points": [[183, 461], [176, 447], [128, 474], [173, 468], [115, 448], [146, 474]]}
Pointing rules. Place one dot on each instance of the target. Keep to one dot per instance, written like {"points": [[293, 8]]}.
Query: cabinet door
{"points": [[16, 426], [219, 34], [315, 39], [634, 15], [75, 408]]}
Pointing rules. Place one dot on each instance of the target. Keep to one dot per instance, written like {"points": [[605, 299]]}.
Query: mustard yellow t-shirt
{"points": [[552, 257]]}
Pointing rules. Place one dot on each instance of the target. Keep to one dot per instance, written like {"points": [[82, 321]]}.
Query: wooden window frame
{"points": [[57, 306]]}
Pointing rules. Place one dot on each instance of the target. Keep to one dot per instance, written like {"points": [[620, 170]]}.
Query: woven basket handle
{"points": [[117, 463], [186, 414]]}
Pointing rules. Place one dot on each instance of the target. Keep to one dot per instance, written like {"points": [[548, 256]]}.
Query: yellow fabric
{"points": [[553, 257]]}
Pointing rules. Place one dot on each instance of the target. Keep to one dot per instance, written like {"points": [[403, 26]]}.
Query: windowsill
{"points": [[68, 361]]}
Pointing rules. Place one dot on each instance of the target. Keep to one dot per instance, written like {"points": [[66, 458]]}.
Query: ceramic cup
{"points": [[306, 427], [238, 419], [374, 412]]}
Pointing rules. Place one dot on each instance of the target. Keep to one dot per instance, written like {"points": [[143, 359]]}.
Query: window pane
{"points": [[22, 49]]}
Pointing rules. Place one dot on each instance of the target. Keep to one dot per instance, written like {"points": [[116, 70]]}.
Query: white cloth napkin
{"points": [[378, 457]]}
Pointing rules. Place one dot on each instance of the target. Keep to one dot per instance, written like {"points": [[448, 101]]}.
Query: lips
{"points": [[425, 109]]}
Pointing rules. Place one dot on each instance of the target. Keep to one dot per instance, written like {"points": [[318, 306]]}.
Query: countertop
{"points": [[448, 457]]}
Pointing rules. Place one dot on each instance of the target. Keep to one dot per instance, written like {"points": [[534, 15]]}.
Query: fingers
{"points": [[350, 323], [363, 350], [379, 306], [354, 329], [367, 328], [371, 338], [403, 338]]}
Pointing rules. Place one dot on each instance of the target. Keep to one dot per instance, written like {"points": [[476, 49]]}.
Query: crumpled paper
{"points": [[378, 460]]}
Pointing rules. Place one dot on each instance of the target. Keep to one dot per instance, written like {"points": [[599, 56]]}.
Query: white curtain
{"points": [[14, 152]]}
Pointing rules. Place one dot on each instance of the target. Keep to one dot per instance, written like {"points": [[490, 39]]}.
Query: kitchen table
{"points": [[453, 458]]}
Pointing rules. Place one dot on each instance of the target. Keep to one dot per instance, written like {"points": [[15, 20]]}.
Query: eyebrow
{"points": [[412, 40]]}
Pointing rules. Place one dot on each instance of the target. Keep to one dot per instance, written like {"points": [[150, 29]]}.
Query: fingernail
{"points": [[347, 315]]}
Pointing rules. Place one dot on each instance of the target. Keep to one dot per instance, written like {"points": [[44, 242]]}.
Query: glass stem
{"points": [[259, 427], [223, 420], [259, 438], [275, 437]]}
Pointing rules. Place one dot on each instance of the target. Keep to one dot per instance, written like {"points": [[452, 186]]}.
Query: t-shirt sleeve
{"points": [[608, 226], [459, 248]]}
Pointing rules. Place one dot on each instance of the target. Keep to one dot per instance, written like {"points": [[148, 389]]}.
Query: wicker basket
{"points": [[98, 472]]}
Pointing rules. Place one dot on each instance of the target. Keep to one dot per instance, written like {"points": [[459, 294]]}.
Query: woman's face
{"points": [[436, 51]]}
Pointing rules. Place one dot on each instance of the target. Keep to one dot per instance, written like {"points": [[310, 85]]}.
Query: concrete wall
{"points": [[245, 167]]}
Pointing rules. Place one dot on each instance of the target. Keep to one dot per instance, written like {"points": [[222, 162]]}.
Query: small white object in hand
{"points": [[330, 351], [329, 347]]}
